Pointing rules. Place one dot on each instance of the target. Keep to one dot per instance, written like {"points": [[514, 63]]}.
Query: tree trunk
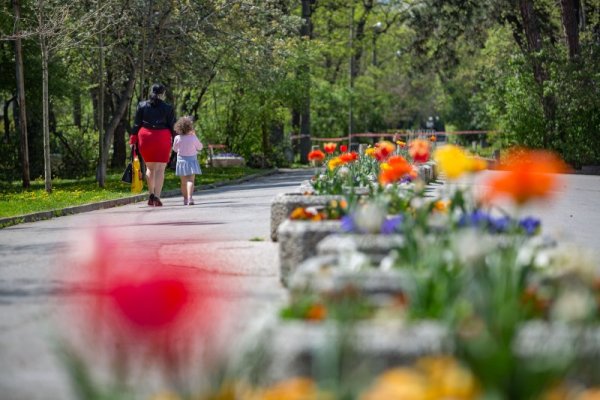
{"points": [[21, 98], [76, 98], [119, 156], [295, 131], [359, 36], [570, 11], [45, 117], [305, 31], [534, 46], [118, 116], [6, 117], [101, 169]]}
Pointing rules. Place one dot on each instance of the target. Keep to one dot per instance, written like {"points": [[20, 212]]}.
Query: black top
{"points": [[158, 116]]}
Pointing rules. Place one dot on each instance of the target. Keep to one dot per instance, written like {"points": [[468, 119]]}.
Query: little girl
{"points": [[187, 145]]}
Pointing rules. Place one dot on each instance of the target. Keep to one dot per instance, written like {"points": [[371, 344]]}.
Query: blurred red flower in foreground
{"points": [[316, 155], [419, 150], [144, 307], [529, 174], [343, 148]]}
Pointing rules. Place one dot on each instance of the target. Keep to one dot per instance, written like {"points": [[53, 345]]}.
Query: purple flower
{"points": [[348, 224], [530, 225], [476, 218], [391, 224], [500, 224]]}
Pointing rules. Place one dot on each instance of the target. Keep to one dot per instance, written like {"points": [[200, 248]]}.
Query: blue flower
{"points": [[391, 224], [530, 225], [348, 224], [500, 224], [476, 218]]}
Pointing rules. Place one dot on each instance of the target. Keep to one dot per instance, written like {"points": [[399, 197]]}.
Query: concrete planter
{"points": [[323, 274], [374, 246], [227, 161], [285, 203], [298, 241], [298, 348], [351, 260]]}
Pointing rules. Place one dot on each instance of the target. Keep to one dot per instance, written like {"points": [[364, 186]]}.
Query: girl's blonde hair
{"points": [[184, 125]]}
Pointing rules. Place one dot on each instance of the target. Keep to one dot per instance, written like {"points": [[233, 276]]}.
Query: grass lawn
{"points": [[14, 200]]}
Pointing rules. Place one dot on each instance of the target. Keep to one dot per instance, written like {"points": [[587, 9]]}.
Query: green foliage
{"points": [[241, 68], [15, 200]]}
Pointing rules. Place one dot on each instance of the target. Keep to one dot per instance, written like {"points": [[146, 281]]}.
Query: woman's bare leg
{"points": [[159, 177], [150, 174]]}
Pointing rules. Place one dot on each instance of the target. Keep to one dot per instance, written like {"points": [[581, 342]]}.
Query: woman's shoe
{"points": [[151, 199], [191, 202], [185, 202], [157, 202]]}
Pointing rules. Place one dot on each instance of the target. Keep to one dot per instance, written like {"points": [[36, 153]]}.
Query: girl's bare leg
{"points": [[184, 193], [190, 186]]}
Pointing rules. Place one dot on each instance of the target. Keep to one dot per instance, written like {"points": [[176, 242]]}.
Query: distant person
{"points": [[187, 146], [153, 131]]}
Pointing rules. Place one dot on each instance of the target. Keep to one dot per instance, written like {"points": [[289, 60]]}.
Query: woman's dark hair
{"points": [[156, 90]]}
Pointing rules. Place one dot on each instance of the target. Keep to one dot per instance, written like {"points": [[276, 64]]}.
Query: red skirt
{"points": [[155, 144]]}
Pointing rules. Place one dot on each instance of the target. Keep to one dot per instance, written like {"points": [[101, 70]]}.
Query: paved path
{"points": [[223, 220], [573, 212]]}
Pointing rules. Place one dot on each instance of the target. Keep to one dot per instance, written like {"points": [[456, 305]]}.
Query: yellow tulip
{"points": [[453, 161], [334, 163]]}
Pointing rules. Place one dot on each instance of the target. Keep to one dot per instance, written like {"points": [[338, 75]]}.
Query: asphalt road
{"points": [[230, 223]]}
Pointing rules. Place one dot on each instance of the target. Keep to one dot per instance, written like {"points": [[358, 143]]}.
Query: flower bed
{"points": [[283, 205]]}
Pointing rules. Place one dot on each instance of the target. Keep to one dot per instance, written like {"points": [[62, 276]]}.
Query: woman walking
{"points": [[152, 133]]}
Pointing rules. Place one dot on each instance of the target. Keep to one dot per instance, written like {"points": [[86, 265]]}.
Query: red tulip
{"points": [[316, 155], [343, 148], [349, 157], [419, 150], [329, 147]]}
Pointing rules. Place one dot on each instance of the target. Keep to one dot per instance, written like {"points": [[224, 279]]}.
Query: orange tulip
{"points": [[432, 138], [316, 155], [529, 174], [316, 312], [419, 150], [291, 389], [401, 144], [394, 170], [329, 147]]}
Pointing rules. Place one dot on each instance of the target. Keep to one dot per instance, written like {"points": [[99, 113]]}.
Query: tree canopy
{"points": [[254, 72]]}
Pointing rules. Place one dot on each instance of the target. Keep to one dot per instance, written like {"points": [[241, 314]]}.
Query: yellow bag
{"points": [[137, 183]]}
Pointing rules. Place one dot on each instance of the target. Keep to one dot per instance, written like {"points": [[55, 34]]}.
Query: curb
{"points": [[42, 215]]}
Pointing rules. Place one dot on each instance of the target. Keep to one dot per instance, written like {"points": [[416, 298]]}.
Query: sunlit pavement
{"points": [[571, 214], [229, 226], [226, 232]]}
